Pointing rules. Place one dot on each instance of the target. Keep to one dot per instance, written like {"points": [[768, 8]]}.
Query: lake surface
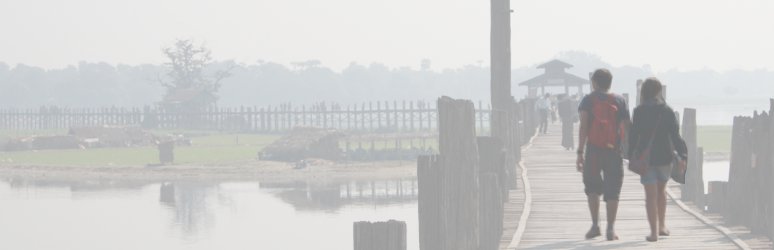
{"points": [[715, 171], [712, 111], [197, 215], [108, 214]]}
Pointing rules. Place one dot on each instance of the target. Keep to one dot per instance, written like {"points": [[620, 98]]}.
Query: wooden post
{"points": [[388, 121], [324, 112], [459, 158], [490, 212], [639, 92], [717, 198], [411, 115], [421, 108], [395, 116], [378, 115], [370, 116], [693, 190], [700, 198], [389, 235], [491, 156], [362, 117], [500, 74], [740, 187], [769, 216], [480, 113]]}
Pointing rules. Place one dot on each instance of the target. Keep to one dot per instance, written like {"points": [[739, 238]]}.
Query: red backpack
{"points": [[604, 126]]}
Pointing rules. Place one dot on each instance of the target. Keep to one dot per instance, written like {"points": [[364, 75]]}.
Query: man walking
{"points": [[604, 118], [543, 108]]}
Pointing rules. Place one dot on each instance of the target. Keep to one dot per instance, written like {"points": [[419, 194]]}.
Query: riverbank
{"points": [[269, 171]]}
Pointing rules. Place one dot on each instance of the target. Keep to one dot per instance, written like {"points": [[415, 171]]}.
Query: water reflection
{"points": [[75, 186], [192, 209], [189, 202], [331, 197]]}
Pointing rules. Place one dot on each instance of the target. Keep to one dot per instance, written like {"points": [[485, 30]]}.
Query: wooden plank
{"points": [[558, 214]]}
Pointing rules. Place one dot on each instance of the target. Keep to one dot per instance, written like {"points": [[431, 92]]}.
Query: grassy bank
{"points": [[225, 148], [715, 138], [208, 149]]}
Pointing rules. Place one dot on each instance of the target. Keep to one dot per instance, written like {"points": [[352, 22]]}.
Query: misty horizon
{"points": [[398, 33], [390, 125]]}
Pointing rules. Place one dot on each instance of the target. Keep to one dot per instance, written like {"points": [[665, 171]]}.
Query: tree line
{"points": [[99, 84]]}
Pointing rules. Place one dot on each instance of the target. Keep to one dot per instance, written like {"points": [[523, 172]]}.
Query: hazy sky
{"points": [[684, 34]]}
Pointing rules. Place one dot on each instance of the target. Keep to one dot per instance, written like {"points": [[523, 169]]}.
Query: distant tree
{"points": [[305, 65], [189, 88], [425, 64]]}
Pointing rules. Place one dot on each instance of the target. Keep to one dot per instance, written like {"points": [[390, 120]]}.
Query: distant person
{"points": [[655, 125], [553, 110], [543, 108], [603, 120], [569, 116]]}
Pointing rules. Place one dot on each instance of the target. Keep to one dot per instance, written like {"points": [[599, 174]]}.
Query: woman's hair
{"points": [[651, 88]]}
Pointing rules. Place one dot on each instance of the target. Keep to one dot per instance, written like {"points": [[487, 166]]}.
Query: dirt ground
{"points": [[316, 170]]}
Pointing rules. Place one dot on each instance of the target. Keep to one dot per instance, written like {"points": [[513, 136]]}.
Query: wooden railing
{"points": [[369, 117]]}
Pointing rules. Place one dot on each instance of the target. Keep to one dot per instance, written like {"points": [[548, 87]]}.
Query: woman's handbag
{"points": [[678, 175], [641, 163]]}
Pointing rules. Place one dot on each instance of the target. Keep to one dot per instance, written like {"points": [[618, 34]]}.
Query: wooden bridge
{"points": [[549, 209]]}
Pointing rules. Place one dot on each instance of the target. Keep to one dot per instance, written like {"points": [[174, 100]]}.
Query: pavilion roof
{"points": [[555, 75], [555, 79], [555, 64]]}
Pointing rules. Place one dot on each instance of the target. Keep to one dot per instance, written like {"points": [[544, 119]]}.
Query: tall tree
{"points": [[189, 88]]}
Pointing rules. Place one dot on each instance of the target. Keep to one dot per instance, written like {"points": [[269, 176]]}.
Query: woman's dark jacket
{"points": [[644, 122]]}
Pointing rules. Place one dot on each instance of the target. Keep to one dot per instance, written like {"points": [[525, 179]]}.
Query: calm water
{"points": [[711, 111], [205, 215], [715, 171], [197, 215]]}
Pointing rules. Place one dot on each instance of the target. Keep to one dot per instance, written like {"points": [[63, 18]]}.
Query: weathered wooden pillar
{"points": [[388, 121], [371, 116], [480, 116], [349, 117], [411, 115], [639, 92], [421, 108], [431, 228], [449, 186], [404, 117], [770, 215], [459, 158], [500, 87], [388, 235], [693, 190], [491, 207], [740, 186], [277, 118], [381, 119], [493, 181], [324, 111], [717, 197], [761, 167], [395, 115], [701, 199], [362, 117]]}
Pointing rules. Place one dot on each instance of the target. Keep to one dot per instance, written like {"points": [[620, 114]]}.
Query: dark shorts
{"points": [[603, 173], [543, 115]]}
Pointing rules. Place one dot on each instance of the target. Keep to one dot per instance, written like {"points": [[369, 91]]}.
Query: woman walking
{"points": [[655, 130]]}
